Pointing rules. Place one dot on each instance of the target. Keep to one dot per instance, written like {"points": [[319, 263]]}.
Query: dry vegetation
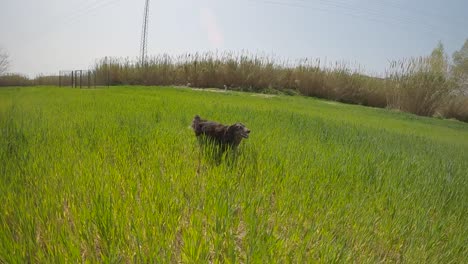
{"points": [[248, 72], [14, 79]]}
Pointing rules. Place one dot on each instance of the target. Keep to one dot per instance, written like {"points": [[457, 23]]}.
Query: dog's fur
{"points": [[226, 136]]}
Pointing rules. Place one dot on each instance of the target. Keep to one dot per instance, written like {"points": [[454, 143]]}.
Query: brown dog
{"points": [[224, 135]]}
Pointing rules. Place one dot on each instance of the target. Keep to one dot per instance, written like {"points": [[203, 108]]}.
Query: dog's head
{"points": [[196, 120], [238, 130]]}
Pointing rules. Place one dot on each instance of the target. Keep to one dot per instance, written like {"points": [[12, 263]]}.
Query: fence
{"points": [[77, 78]]}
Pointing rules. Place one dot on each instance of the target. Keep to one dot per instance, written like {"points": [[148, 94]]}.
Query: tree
{"points": [[460, 66], [438, 60], [4, 62]]}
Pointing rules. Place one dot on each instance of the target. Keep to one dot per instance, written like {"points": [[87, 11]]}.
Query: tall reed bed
{"points": [[419, 85], [247, 72]]}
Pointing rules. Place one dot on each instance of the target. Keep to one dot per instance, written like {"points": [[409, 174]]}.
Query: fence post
{"points": [[108, 69], [81, 77], [73, 79], [60, 78]]}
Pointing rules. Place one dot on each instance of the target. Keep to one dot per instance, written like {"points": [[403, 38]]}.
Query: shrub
{"points": [[14, 79], [456, 107], [416, 86]]}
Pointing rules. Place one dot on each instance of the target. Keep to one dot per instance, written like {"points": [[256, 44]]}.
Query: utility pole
{"points": [[144, 34]]}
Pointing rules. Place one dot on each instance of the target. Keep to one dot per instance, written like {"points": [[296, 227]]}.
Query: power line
{"points": [[428, 14], [431, 17], [90, 10], [85, 10], [357, 12]]}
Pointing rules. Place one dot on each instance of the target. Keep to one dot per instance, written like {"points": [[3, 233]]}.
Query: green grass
{"points": [[116, 175]]}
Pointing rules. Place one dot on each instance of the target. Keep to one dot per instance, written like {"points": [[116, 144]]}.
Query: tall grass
{"points": [[248, 72], [418, 87], [116, 175], [457, 108]]}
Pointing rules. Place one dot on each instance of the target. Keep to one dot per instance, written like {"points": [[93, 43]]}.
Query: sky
{"points": [[44, 37]]}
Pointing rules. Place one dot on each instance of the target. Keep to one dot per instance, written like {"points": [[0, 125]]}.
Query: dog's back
{"points": [[202, 126], [225, 135]]}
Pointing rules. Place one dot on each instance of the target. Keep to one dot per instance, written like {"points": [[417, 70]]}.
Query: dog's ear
{"points": [[232, 129], [238, 126]]}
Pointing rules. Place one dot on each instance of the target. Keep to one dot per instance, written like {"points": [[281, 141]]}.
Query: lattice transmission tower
{"points": [[144, 34]]}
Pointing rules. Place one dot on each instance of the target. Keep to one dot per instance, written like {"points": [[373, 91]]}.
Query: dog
{"points": [[225, 136]]}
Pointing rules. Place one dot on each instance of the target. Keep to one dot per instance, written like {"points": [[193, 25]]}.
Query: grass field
{"points": [[116, 175]]}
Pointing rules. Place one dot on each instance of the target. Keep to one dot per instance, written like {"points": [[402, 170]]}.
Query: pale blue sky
{"points": [[49, 35]]}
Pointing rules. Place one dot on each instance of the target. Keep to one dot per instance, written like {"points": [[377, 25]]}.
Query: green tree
{"points": [[438, 60], [460, 66]]}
